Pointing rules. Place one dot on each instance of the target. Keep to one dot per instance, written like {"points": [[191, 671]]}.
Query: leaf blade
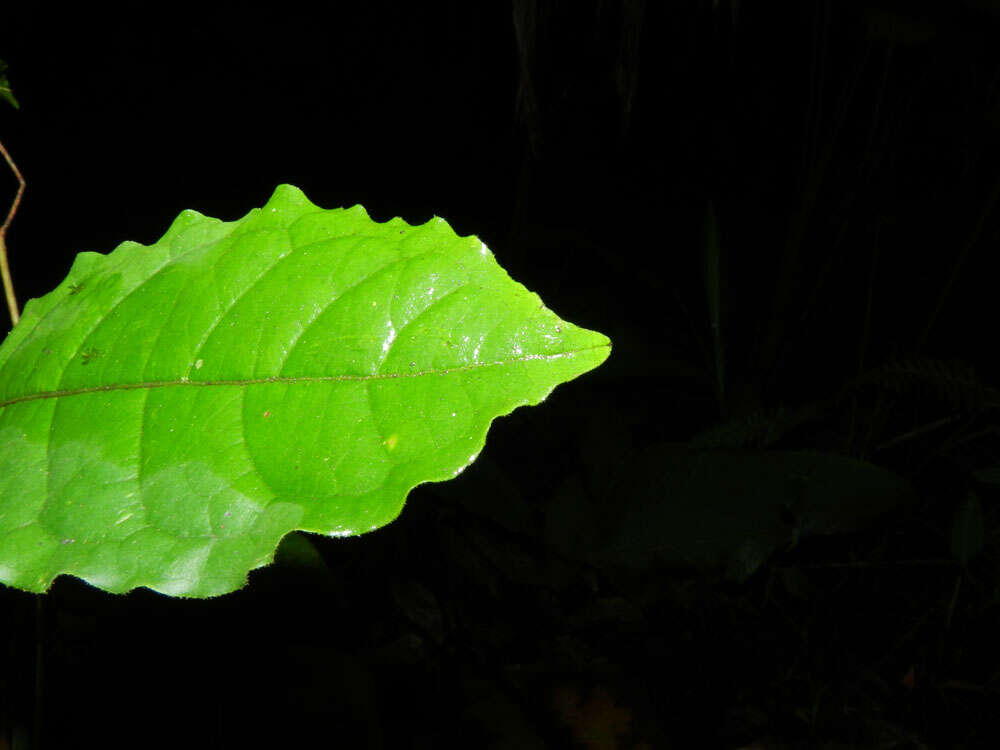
{"points": [[169, 413]]}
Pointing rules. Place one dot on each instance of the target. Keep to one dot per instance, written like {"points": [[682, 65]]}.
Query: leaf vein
{"points": [[289, 379]]}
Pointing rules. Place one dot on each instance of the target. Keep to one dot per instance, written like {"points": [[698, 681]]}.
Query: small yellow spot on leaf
{"points": [[390, 442]]}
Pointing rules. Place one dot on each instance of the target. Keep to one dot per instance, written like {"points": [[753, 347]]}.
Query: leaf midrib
{"points": [[288, 379]]}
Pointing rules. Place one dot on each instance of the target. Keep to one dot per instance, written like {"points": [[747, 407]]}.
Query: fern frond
{"points": [[951, 382], [758, 429]]}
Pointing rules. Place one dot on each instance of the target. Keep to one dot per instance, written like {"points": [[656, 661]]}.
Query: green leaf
{"points": [[673, 506], [989, 476], [5, 91], [168, 413], [967, 536]]}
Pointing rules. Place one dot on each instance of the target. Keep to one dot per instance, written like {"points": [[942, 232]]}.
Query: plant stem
{"points": [[8, 284], [37, 711], [713, 293]]}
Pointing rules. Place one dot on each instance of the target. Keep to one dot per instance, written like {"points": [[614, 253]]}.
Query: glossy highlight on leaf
{"points": [[168, 413]]}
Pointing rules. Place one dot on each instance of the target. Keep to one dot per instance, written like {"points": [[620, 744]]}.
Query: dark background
{"points": [[842, 159]]}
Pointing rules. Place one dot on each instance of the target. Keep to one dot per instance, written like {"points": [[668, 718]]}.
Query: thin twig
{"points": [[919, 431], [8, 284], [38, 717], [941, 562], [956, 268]]}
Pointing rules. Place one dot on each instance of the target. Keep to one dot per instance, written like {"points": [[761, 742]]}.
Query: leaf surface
{"points": [[168, 413]]}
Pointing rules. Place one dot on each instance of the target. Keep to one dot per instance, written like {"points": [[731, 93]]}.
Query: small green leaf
{"points": [[169, 413], [989, 476], [296, 551], [967, 535], [5, 91]]}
